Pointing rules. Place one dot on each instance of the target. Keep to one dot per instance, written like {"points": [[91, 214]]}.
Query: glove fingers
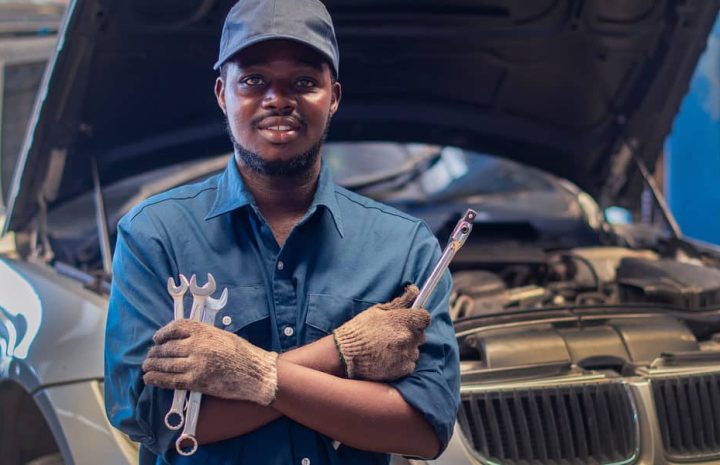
{"points": [[166, 365], [418, 319], [416, 355], [167, 380], [179, 329], [409, 367], [171, 348], [406, 299]]}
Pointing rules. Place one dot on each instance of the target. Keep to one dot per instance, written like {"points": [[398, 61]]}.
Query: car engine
{"points": [[587, 355]]}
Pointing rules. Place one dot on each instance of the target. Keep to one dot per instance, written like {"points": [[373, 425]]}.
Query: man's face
{"points": [[278, 97]]}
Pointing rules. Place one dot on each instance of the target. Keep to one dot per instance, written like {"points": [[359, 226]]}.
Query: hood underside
{"points": [[561, 85]]}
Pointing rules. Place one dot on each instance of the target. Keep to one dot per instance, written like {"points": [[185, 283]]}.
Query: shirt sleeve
{"points": [[434, 387], [139, 306]]}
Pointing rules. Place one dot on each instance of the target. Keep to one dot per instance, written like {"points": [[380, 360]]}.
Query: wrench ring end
{"points": [[172, 414], [186, 452]]}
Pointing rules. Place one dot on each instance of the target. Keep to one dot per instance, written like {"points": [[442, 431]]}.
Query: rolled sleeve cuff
{"points": [[154, 436], [427, 392]]}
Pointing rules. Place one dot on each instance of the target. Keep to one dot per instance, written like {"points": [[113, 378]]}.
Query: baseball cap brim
{"points": [[273, 36]]}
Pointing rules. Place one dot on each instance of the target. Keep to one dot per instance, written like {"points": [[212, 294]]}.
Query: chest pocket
{"points": [[246, 314], [327, 312]]}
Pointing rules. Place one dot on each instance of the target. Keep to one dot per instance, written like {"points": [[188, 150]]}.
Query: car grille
{"points": [[578, 424], [688, 410]]}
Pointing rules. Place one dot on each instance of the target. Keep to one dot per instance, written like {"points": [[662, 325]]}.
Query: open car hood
{"points": [[559, 84]]}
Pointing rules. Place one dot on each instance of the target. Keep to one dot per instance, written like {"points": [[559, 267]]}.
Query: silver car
{"points": [[588, 324]]}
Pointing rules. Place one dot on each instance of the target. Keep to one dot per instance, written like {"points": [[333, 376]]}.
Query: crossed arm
{"points": [[365, 415]]}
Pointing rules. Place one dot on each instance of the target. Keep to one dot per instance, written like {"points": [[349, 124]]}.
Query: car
{"points": [[587, 323]]}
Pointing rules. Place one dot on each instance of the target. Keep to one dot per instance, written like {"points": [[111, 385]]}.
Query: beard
{"points": [[297, 165]]}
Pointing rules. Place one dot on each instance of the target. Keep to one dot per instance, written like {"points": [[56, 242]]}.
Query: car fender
{"points": [[51, 327]]}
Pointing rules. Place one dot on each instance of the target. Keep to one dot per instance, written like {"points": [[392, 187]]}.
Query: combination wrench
{"points": [[212, 307], [175, 417], [199, 293]]}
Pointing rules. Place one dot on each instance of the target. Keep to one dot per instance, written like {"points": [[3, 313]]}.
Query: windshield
{"points": [[419, 172]]}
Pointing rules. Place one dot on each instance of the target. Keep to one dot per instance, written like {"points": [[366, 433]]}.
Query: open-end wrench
{"points": [[200, 293], [175, 417], [212, 307], [457, 239]]}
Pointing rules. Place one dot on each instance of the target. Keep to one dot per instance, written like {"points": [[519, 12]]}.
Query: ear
{"points": [[220, 94], [335, 99]]}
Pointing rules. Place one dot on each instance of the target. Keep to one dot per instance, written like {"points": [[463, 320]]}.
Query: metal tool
{"points": [[200, 293], [212, 307], [178, 406], [175, 417], [457, 240]]}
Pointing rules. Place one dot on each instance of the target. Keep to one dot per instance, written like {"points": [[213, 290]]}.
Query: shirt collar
{"points": [[232, 194], [326, 196]]}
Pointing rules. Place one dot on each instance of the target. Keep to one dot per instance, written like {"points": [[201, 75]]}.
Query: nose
{"points": [[280, 98]]}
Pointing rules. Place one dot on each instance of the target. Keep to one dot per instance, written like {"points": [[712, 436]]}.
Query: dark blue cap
{"points": [[253, 21]]}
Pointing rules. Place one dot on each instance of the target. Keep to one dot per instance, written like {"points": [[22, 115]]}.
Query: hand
{"points": [[198, 357], [383, 342]]}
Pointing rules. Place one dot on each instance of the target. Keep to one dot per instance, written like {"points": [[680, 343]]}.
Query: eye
{"points": [[305, 83], [252, 81]]}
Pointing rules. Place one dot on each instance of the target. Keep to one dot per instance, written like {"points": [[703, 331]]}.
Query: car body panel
{"points": [[80, 412], [16, 104], [48, 313]]}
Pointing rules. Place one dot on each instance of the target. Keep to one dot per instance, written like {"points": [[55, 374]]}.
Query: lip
{"points": [[279, 121], [275, 136], [279, 130]]}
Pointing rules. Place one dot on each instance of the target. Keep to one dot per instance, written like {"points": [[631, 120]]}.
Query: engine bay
{"points": [[584, 309]]}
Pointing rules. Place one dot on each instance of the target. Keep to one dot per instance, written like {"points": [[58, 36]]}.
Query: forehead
{"points": [[280, 52]]}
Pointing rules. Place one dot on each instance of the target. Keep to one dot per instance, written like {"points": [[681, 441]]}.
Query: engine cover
{"points": [[668, 282]]}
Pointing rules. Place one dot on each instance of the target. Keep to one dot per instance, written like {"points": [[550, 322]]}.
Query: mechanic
{"points": [[308, 266]]}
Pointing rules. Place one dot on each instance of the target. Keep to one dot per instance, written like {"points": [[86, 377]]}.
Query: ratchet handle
{"points": [[462, 231]]}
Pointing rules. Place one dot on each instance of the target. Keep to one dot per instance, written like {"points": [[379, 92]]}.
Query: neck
{"points": [[281, 196]]}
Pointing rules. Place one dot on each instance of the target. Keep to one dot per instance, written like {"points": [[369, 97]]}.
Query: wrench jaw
{"points": [[180, 289], [200, 293], [213, 306], [177, 293]]}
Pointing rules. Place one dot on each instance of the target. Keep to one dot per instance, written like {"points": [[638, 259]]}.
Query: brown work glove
{"points": [[198, 357], [383, 342]]}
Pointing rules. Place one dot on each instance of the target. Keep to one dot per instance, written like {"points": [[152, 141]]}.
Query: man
{"points": [[305, 262]]}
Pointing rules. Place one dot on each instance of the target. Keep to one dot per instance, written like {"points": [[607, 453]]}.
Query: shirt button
{"points": [[289, 331], [226, 320], [280, 265], [305, 461]]}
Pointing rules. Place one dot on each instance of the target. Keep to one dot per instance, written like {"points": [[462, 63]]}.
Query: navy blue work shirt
{"points": [[347, 253]]}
